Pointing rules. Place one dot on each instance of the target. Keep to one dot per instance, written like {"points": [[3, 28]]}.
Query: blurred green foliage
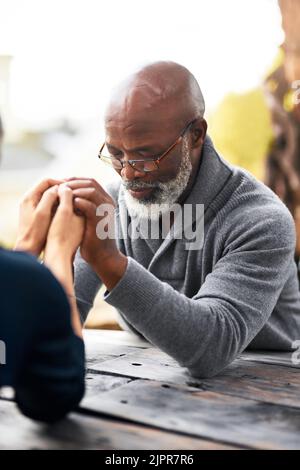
{"points": [[241, 130]]}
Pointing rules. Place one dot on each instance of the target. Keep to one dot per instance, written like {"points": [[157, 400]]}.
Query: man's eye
{"points": [[116, 155], [145, 156]]}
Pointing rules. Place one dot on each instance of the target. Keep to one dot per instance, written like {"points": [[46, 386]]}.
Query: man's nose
{"points": [[129, 173]]}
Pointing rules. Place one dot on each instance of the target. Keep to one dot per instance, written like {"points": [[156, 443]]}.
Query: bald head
{"points": [[163, 91]]}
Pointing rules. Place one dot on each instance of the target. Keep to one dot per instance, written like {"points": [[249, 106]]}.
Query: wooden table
{"points": [[139, 398]]}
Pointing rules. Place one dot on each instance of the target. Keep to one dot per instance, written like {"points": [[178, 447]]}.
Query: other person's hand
{"points": [[64, 237], [66, 229], [36, 212]]}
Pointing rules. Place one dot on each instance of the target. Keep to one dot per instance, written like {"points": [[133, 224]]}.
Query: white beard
{"points": [[167, 193]]}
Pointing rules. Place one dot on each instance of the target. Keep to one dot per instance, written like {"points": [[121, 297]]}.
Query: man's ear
{"points": [[199, 133]]}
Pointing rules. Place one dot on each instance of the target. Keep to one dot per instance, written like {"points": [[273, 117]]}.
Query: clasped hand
{"points": [[59, 216], [48, 222]]}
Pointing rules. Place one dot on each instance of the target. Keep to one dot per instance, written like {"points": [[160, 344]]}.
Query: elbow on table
{"points": [[208, 367], [203, 372]]}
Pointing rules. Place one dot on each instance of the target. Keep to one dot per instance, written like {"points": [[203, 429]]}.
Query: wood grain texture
{"points": [[273, 357], [205, 414], [85, 432], [267, 383], [137, 397]]}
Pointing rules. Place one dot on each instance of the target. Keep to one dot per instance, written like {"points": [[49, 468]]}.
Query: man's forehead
{"points": [[139, 111], [138, 132], [136, 123], [133, 122], [132, 135], [140, 102]]}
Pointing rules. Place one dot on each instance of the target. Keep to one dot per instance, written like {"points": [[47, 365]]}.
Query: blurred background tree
{"points": [[281, 89], [53, 91], [260, 129], [241, 130]]}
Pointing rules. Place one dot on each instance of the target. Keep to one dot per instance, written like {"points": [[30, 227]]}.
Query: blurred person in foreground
{"points": [[42, 351], [202, 307]]}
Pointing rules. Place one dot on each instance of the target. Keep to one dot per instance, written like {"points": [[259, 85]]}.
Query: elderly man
{"points": [[203, 307]]}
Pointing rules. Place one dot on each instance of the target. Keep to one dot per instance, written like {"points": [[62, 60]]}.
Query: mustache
{"points": [[133, 185]]}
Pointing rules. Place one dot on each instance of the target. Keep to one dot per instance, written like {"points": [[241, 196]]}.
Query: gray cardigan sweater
{"points": [[204, 307]]}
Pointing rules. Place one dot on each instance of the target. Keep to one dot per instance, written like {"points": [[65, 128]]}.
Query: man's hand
{"points": [[88, 195], [102, 254], [36, 211]]}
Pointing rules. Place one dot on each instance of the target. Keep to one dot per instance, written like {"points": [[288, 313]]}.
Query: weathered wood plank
{"points": [[85, 432], [96, 384], [100, 352], [265, 382], [254, 403], [286, 359], [262, 382], [97, 350], [205, 414], [129, 339]]}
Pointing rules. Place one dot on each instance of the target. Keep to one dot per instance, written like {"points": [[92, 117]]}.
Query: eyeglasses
{"points": [[142, 166]]}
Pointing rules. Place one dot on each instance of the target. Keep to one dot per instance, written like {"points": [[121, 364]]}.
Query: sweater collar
{"points": [[213, 172], [212, 175]]}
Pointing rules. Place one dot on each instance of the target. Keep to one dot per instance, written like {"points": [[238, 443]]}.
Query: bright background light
{"points": [[68, 53]]}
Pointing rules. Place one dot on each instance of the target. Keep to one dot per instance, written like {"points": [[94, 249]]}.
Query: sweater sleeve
{"points": [[207, 332], [87, 285]]}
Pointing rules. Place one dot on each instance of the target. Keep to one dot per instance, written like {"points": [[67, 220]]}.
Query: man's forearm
{"points": [[207, 332]]}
